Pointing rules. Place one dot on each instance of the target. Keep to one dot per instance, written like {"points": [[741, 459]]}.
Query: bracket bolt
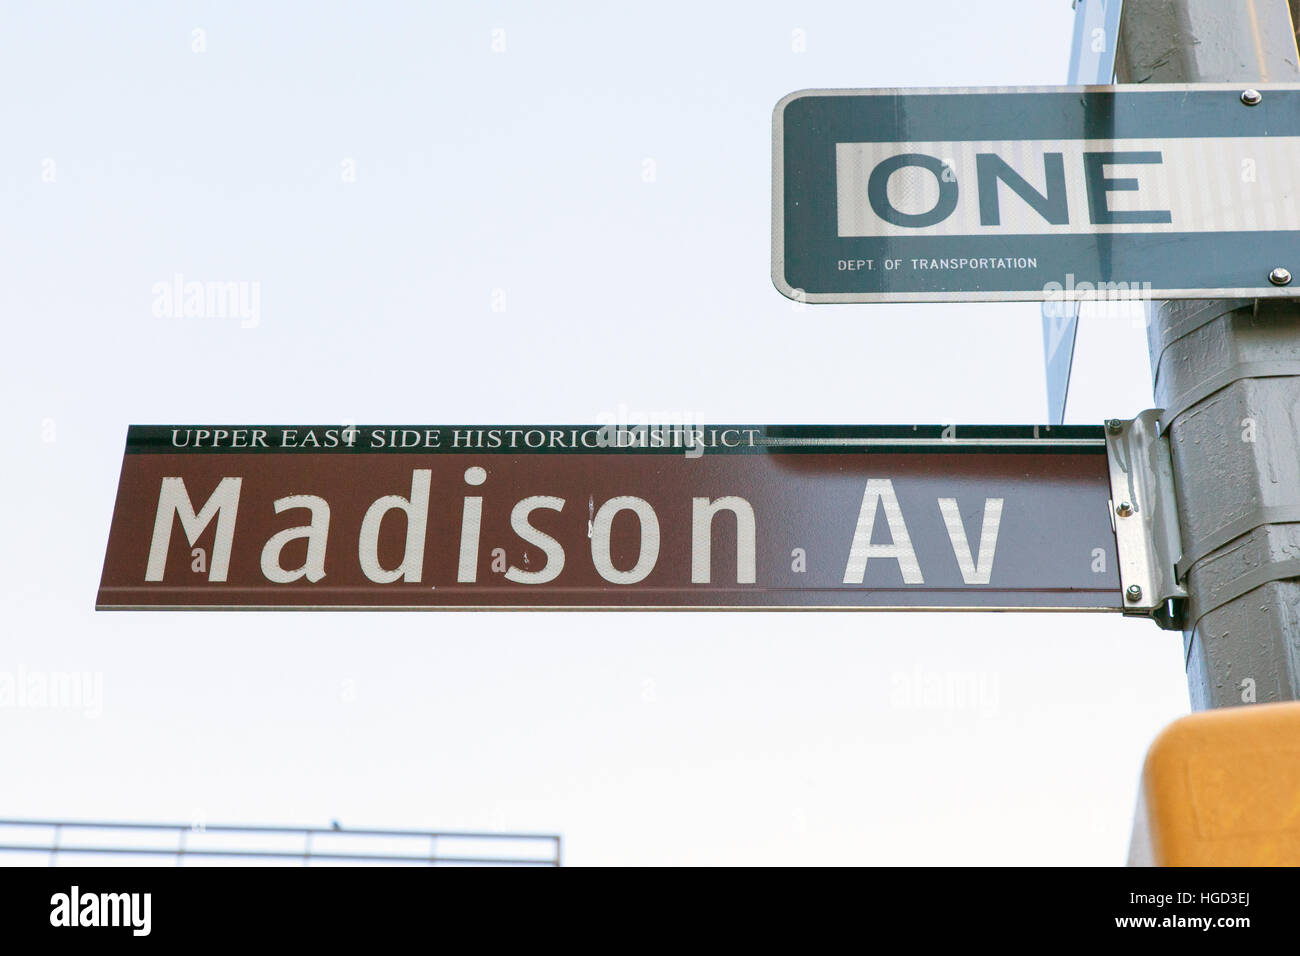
{"points": [[1280, 276], [1114, 426], [1124, 509], [1251, 97], [1134, 593]]}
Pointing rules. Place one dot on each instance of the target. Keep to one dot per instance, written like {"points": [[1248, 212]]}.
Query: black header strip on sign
{"points": [[610, 439]]}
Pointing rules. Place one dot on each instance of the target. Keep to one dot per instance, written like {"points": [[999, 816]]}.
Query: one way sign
{"points": [[1058, 193]]}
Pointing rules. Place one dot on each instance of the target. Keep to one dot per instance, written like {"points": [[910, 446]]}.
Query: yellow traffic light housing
{"points": [[1222, 788]]}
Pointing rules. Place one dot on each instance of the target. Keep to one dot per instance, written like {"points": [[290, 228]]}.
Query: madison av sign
{"points": [[1051, 193], [597, 517]]}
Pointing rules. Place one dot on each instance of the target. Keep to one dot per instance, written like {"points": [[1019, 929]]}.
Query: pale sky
{"points": [[444, 232]]}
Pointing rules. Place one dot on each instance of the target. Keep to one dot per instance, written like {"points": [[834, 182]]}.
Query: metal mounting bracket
{"points": [[1144, 513]]}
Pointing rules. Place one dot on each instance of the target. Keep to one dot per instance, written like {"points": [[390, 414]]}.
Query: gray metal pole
{"points": [[1233, 368]]}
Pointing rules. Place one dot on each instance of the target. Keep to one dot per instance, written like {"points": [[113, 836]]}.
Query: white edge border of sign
{"points": [[821, 298]]}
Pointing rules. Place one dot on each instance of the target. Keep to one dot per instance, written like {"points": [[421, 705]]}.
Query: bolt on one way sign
{"points": [[708, 517], [1052, 193]]}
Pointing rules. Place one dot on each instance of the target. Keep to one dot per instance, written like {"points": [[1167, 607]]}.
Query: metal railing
{"points": [[62, 842]]}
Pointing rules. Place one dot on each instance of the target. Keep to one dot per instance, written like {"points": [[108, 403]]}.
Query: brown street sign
{"points": [[550, 516]]}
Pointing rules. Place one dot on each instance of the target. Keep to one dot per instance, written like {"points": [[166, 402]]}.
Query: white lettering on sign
{"points": [[878, 493], [551, 548], [1035, 187], [881, 491], [174, 502], [603, 524], [702, 513], [973, 571], [416, 509], [547, 562], [316, 533]]}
